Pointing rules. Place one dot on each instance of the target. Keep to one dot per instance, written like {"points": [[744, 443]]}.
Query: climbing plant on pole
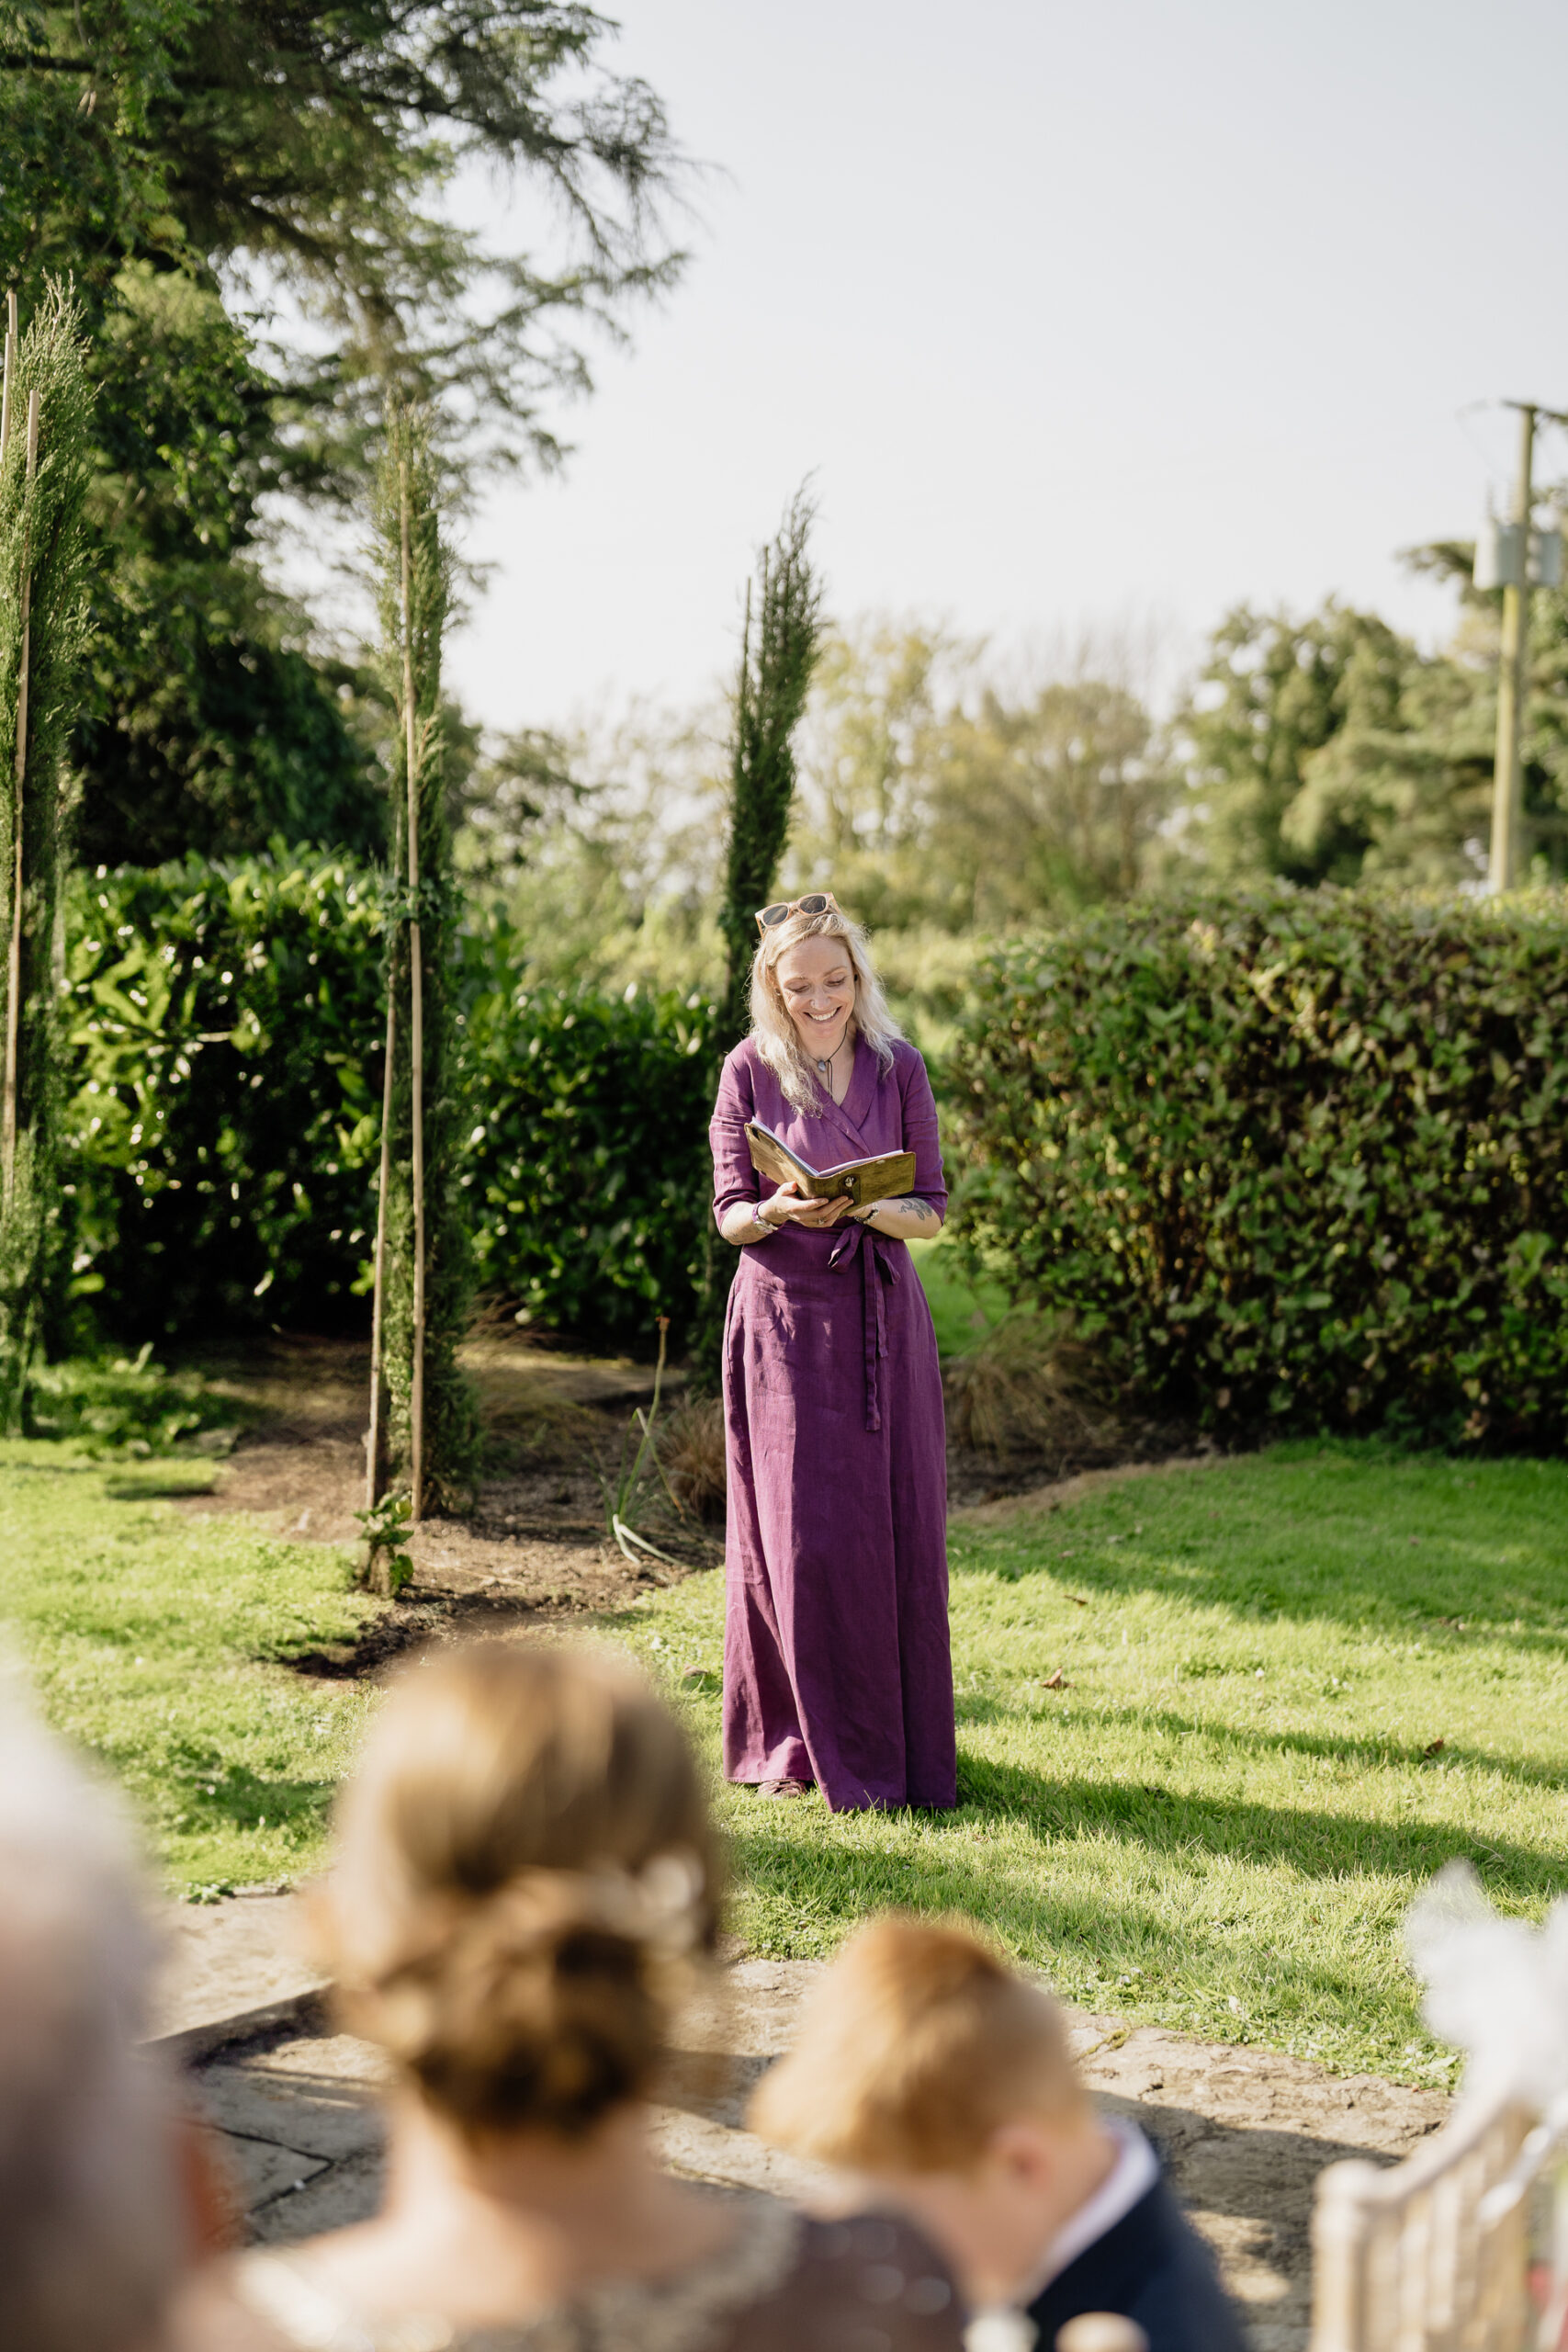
{"points": [[44, 416], [778, 654], [424, 1428]]}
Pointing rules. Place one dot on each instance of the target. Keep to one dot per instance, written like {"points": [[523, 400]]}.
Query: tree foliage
{"points": [[259, 204], [778, 654], [316, 149], [1331, 749]]}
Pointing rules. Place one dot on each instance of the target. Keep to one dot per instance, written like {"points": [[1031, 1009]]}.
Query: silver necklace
{"points": [[825, 1069]]}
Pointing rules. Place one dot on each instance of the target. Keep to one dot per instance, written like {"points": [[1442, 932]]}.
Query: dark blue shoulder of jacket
{"points": [[1153, 2267]]}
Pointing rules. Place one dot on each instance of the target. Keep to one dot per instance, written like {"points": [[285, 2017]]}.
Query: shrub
{"points": [[1296, 1159], [225, 1119], [589, 1163], [226, 1029]]}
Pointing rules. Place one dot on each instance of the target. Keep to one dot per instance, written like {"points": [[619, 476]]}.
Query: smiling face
{"points": [[817, 980]]}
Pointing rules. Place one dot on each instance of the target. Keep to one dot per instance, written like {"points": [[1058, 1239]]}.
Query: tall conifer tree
{"points": [[423, 1410], [778, 654], [43, 608]]}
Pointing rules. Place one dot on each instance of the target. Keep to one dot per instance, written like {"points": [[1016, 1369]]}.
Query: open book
{"points": [[881, 1178]]}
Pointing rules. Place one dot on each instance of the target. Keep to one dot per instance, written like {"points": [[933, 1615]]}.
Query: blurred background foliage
{"points": [[251, 201]]}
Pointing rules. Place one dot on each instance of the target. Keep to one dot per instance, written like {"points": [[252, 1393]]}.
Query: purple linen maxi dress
{"points": [[837, 1663]]}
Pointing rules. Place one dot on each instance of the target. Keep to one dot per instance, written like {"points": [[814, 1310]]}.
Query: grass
{"points": [[1295, 1684], [963, 1311], [159, 1643]]}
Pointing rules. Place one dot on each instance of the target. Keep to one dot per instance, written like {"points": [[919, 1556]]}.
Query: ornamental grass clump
{"points": [[1293, 1160]]}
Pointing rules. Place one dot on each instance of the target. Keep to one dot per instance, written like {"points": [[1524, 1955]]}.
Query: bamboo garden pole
{"points": [[8, 1114], [374, 1435], [10, 368], [416, 1027], [14, 961]]}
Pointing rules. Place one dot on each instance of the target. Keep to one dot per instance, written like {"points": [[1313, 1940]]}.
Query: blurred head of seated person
{"points": [[525, 1876], [91, 2217], [943, 2081]]}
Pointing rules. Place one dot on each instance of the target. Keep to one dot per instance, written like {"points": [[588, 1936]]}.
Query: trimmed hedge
{"points": [[1297, 1160], [226, 1024], [589, 1163]]}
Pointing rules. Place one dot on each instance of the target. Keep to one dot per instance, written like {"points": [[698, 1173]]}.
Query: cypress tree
{"points": [[423, 1420], [44, 467], [778, 654]]}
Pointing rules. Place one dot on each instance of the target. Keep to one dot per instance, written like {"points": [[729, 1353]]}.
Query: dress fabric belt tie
{"points": [[878, 1272]]}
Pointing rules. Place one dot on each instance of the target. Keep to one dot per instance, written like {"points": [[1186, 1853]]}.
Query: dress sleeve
{"points": [[920, 1134], [733, 1177]]}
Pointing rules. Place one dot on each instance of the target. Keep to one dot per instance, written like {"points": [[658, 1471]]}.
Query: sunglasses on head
{"points": [[815, 902]]}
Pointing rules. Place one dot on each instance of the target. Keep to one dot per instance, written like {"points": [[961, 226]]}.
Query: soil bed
{"points": [[534, 1548]]}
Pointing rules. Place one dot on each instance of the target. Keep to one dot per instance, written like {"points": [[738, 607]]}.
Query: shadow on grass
{"points": [[1333, 1747], [231, 1796], [1315, 1844], [803, 1898]]}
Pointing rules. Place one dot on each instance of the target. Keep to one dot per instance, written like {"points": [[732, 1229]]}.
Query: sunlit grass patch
{"points": [[159, 1643], [1292, 1686]]}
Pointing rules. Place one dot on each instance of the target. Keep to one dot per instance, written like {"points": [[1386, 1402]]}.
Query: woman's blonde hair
{"points": [[774, 1034], [524, 1854], [918, 2043]]}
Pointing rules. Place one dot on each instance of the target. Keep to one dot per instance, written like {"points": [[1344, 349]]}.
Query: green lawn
{"points": [[963, 1311], [1296, 1684], [157, 1641]]}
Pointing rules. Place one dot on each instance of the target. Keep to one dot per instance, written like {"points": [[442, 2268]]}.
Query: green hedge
{"points": [[226, 1025], [1299, 1159], [590, 1171]]}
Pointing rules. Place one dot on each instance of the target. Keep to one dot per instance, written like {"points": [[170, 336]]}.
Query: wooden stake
{"points": [[374, 1435], [10, 368], [416, 1027], [14, 961]]}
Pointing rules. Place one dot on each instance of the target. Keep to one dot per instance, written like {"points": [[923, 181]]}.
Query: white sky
{"points": [[1073, 311]]}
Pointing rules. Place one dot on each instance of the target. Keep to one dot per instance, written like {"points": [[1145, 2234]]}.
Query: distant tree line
{"points": [[250, 199]]}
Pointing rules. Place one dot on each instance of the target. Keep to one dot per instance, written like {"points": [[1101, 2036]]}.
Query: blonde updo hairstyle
{"points": [[774, 1034], [525, 1861]]}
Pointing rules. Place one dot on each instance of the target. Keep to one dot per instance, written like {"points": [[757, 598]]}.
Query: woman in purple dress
{"points": [[837, 1666]]}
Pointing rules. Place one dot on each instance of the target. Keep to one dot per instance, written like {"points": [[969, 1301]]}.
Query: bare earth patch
{"points": [[535, 1547]]}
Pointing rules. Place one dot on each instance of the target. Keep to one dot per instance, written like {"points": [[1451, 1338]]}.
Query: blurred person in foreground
{"points": [[525, 1870], [927, 2068], [94, 2217]]}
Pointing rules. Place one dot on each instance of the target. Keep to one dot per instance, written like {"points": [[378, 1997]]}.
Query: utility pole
{"points": [[1508, 781], [1515, 559]]}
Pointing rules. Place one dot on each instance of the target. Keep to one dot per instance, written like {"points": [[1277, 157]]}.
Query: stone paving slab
{"points": [[1244, 2132], [231, 1968]]}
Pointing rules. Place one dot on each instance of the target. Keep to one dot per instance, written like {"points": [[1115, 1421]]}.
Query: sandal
{"points": [[785, 1788]]}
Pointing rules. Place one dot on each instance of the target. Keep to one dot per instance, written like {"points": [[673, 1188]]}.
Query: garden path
{"points": [[1244, 2132]]}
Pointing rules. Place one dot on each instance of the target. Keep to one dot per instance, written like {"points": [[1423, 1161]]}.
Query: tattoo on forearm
{"points": [[922, 1211]]}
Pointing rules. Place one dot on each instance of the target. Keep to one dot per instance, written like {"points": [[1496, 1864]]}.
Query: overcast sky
{"points": [[1073, 312]]}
